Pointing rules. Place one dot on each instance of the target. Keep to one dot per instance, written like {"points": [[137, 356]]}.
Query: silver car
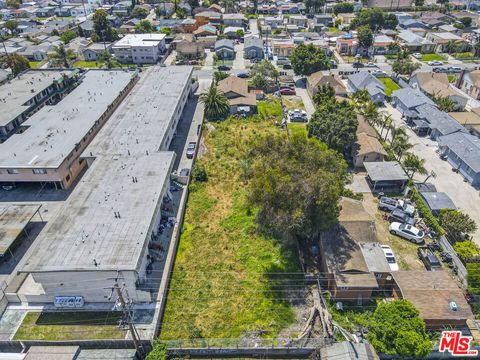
{"points": [[408, 232]]}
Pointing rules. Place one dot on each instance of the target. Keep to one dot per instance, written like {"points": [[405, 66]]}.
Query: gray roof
{"points": [[437, 200], [55, 130], [411, 98], [253, 41], [465, 146], [385, 171], [365, 80], [130, 144], [438, 120], [412, 39], [224, 43]]}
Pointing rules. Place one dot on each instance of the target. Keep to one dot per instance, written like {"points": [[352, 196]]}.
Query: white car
{"points": [[408, 232], [417, 55], [370, 64], [435, 63], [392, 262]]}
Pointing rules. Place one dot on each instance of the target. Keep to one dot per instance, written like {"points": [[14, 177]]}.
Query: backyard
{"points": [[229, 278], [58, 326], [432, 57], [390, 85]]}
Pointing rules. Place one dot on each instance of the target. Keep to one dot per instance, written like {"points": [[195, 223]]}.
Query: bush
{"points": [[427, 215], [465, 249], [352, 195], [473, 277], [199, 173]]}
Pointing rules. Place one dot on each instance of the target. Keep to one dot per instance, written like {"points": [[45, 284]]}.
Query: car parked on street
{"points": [[428, 258], [454, 69], [435, 63], [392, 262], [417, 55], [223, 68], [191, 149], [439, 70], [370, 64], [408, 232], [287, 91], [243, 75]]}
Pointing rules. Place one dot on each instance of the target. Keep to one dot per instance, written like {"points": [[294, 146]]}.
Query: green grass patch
{"points": [[464, 55], [70, 326], [222, 285], [390, 56], [298, 129], [88, 64], [452, 78], [432, 57], [218, 62], [34, 64], [390, 85]]}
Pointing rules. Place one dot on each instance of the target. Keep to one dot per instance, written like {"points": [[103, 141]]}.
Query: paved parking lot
{"points": [[465, 197]]}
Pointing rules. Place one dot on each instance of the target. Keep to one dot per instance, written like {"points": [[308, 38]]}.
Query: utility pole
{"points": [[125, 306]]}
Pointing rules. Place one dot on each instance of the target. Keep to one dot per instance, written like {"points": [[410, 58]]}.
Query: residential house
{"points": [[122, 8], [470, 120], [463, 153], [406, 100], [316, 80], [437, 201], [390, 4], [225, 49], [437, 84], [77, 45], [414, 42], [45, 11], [187, 46], [351, 259], [432, 293], [274, 22], [283, 48], [347, 45], [365, 81], [240, 99], [231, 32], [437, 123], [440, 39], [386, 176], [208, 17], [412, 23], [205, 30], [435, 17], [129, 26], [93, 51], [140, 48], [346, 19], [469, 82], [381, 45], [87, 28], [188, 25], [301, 21], [236, 20], [464, 13], [450, 28], [253, 48], [321, 21], [291, 8], [367, 147], [216, 8]]}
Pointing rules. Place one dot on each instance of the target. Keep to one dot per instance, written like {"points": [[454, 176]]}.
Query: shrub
{"points": [[427, 215], [465, 249], [473, 277], [199, 173]]}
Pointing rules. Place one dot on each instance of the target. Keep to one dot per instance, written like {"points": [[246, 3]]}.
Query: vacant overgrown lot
{"points": [[229, 280]]}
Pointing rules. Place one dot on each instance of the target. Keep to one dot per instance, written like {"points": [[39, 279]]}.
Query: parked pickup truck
{"points": [[390, 204]]}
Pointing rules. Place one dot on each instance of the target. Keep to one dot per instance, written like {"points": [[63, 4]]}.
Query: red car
{"points": [[287, 91]]}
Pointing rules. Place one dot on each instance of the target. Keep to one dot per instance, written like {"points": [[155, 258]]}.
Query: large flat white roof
{"points": [[139, 40], [54, 130], [16, 92], [85, 234]]}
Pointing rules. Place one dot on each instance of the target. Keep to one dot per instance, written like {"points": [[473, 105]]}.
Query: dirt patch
{"points": [[405, 251], [293, 102]]}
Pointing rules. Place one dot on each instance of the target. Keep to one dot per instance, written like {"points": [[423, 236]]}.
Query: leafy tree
{"points": [[215, 102], [466, 21], [166, 30], [159, 352], [400, 145], [450, 47], [106, 57], [365, 36], [144, 26], [180, 13], [80, 31], [370, 112], [343, 8], [68, 36], [456, 223], [473, 277], [263, 74], [335, 123], [101, 27], [13, 4], [397, 329], [413, 164], [444, 103], [325, 93], [220, 75], [404, 66], [374, 18], [139, 12], [17, 63], [314, 6], [61, 56], [296, 185], [466, 249], [199, 172], [11, 25], [307, 59], [419, 3], [240, 33]]}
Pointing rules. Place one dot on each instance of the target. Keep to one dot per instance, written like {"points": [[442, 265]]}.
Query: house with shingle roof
{"points": [[319, 78], [236, 90], [365, 81], [367, 147], [469, 82]]}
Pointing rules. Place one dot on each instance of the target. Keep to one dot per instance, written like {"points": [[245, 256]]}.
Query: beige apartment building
{"points": [[49, 147]]}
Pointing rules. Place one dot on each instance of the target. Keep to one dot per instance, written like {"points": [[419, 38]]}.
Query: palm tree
{"points": [[216, 103], [370, 112], [413, 164], [400, 146], [386, 123], [61, 55]]}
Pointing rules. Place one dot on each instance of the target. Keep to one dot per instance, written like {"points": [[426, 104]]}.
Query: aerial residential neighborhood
{"points": [[239, 179]]}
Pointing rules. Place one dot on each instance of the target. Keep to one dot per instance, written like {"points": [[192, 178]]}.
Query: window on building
{"points": [[12, 171], [39, 171]]}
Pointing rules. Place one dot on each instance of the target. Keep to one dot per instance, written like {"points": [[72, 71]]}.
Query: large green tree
{"points": [[61, 56], [335, 123], [314, 6], [342, 8], [404, 66], [263, 74], [307, 59], [296, 185], [102, 31], [397, 329], [139, 12], [413, 165], [17, 63], [11, 25], [375, 19], [456, 223], [144, 26], [365, 36], [215, 102]]}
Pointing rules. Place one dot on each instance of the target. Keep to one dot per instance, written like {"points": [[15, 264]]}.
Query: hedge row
{"points": [[425, 212]]}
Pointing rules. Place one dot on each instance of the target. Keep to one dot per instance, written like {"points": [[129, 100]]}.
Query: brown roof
{"points": [[475, 75], [366, 144], [435, 83], [431, 293], [318, 79], [364, 126], [353, 210], [234, 84], [249, 100], [466, 117], [390, 4]]}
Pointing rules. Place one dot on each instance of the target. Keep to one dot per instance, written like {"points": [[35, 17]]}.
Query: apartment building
{"points": [[29, 92], [140, 48], [49, 146], [105, 227]]}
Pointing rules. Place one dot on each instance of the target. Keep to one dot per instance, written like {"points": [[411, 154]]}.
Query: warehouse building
{"points": [[106, 225], [49, 147]]}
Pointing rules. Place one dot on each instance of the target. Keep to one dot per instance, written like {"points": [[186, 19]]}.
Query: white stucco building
{"points": [[139, 48]]}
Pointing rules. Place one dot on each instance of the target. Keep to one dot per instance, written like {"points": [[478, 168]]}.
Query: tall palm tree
{"points": [[61, 56], [386, 123], [413, 164], [400, 146], [216, 103], [370, 112]]}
